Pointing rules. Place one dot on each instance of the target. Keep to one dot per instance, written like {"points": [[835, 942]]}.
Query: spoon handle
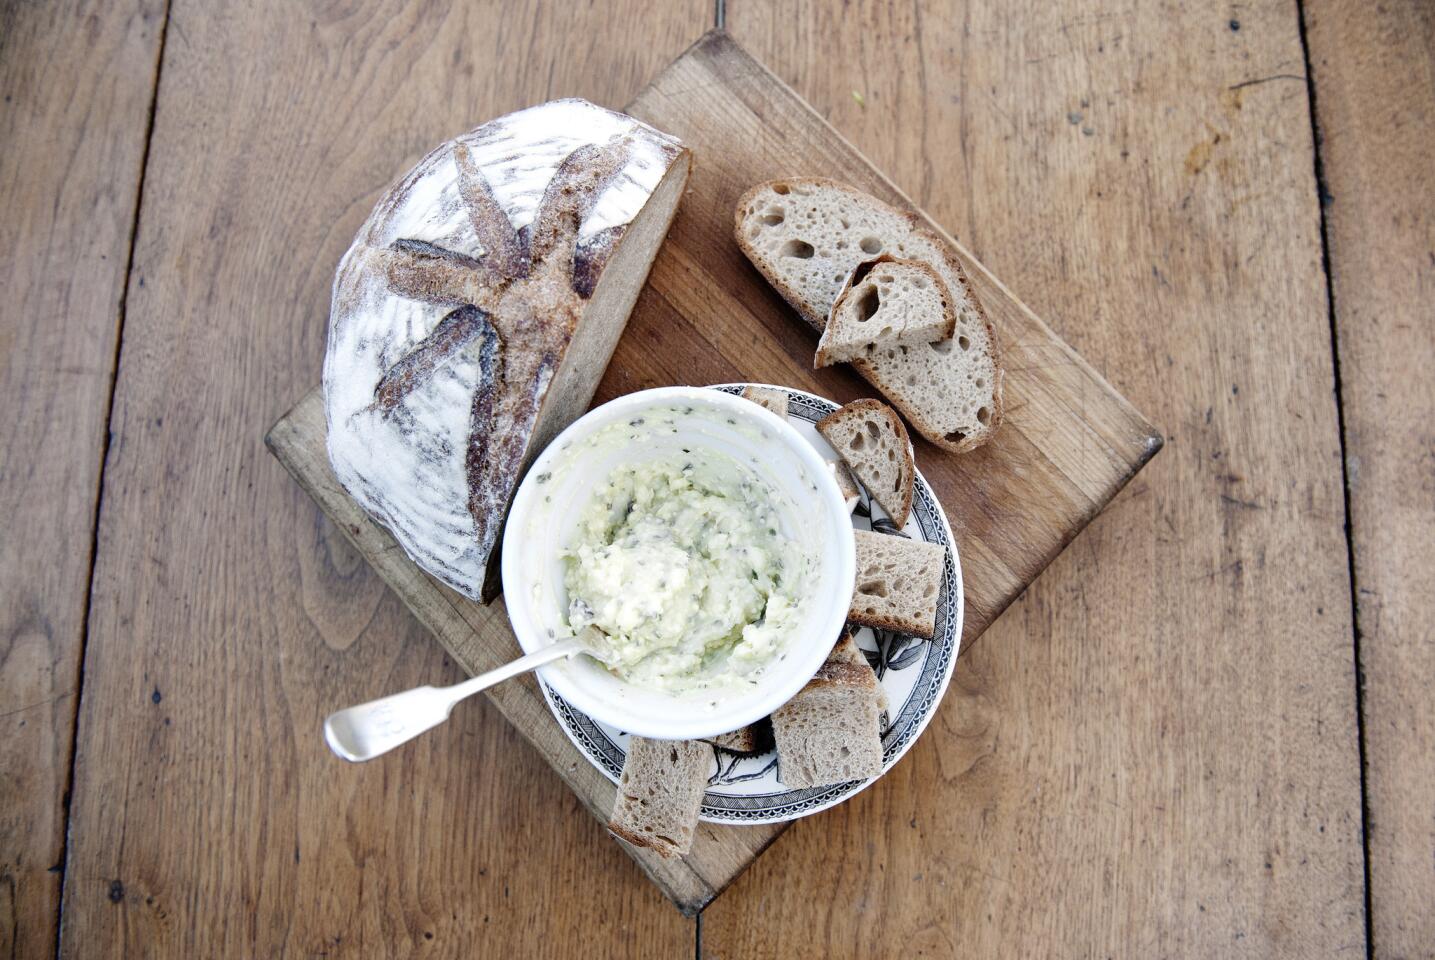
{"points": [[374, 728]]}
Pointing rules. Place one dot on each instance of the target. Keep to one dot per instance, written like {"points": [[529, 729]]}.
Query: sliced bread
{"points": [[870, 437], [887, 302], [753, 738], [774, 400], [898, 582], [831, 731], [848, 651], [806, 235], [661, 793]]}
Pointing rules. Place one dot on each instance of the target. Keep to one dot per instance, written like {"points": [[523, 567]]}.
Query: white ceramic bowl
{"points": [[544, 516]]}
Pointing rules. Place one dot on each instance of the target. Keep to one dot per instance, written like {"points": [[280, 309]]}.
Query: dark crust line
{"points": [[453, 333], [422, 271], [576, 186], [507, 256], [860, 273], [427, 272], [500, 420], [499, 430], [422, 248], [483, 410], [590, 256]]}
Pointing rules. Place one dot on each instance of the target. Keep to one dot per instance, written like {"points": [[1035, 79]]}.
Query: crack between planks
{"points": [[1323, 198], [121, 313], [719, 23]]}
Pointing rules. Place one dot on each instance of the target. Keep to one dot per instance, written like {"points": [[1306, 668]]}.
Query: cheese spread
{"points": [[683, 563]]}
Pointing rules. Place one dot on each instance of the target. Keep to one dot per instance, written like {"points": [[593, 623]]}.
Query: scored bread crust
{"points": [[818, 318], [901, 508], [460, 308]]}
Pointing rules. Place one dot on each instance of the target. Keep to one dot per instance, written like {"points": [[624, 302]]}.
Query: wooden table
{"points": [[1207, 730]]}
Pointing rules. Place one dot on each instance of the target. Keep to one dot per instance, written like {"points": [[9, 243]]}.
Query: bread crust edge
{"points": [[917, 225]]}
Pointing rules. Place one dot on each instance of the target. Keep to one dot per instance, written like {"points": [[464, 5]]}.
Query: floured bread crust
{"points": [[453, 310]]}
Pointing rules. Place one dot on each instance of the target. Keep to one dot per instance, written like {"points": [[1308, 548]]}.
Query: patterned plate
{"points": [[913, 672]]}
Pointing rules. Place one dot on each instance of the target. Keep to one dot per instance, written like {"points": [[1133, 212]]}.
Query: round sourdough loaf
{"points": [[475, 312]]}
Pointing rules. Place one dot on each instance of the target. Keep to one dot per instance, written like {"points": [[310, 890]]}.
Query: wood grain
{"points": [[228, 616], [1374, 73], [1068, 442], [77, 79], [1068, 445], [1154, 752]]}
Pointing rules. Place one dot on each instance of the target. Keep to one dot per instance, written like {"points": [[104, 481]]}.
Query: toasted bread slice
{"points": [[806, 235], [774, 400], [870, 437], [887, 303], [831, 731], [661, 793], [898, 582]]}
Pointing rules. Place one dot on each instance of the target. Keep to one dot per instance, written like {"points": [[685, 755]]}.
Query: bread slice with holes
{"points": [[831, 732], [870, 437], [769, 398], [898, 582], [660, 794], [887, 302], [807, 235]]}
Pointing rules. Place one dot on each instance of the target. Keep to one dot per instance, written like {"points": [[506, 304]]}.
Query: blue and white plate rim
{"points": [[602, 748]]}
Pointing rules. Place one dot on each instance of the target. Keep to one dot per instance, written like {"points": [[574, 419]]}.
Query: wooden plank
{"points": [[1068, 442], [1154, 752], [229, 616], [1374, 74], [706, 317], [77, 80]]}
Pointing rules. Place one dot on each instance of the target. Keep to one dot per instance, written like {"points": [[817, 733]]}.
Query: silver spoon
{"points": [[374, 728]]}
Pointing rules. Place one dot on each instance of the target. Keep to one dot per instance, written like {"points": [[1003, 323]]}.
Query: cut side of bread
{"points": [[898, 582], [475, 312], [660, 794], [753, 738], [807, 235], [831, 731], [870, 437], [773, 400], [887, 303]]}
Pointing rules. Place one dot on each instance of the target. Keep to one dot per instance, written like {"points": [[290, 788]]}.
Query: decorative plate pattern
{"points": [[913, 672]]}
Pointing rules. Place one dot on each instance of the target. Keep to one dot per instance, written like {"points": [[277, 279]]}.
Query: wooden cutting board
{"points": [[1068, 444]]}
